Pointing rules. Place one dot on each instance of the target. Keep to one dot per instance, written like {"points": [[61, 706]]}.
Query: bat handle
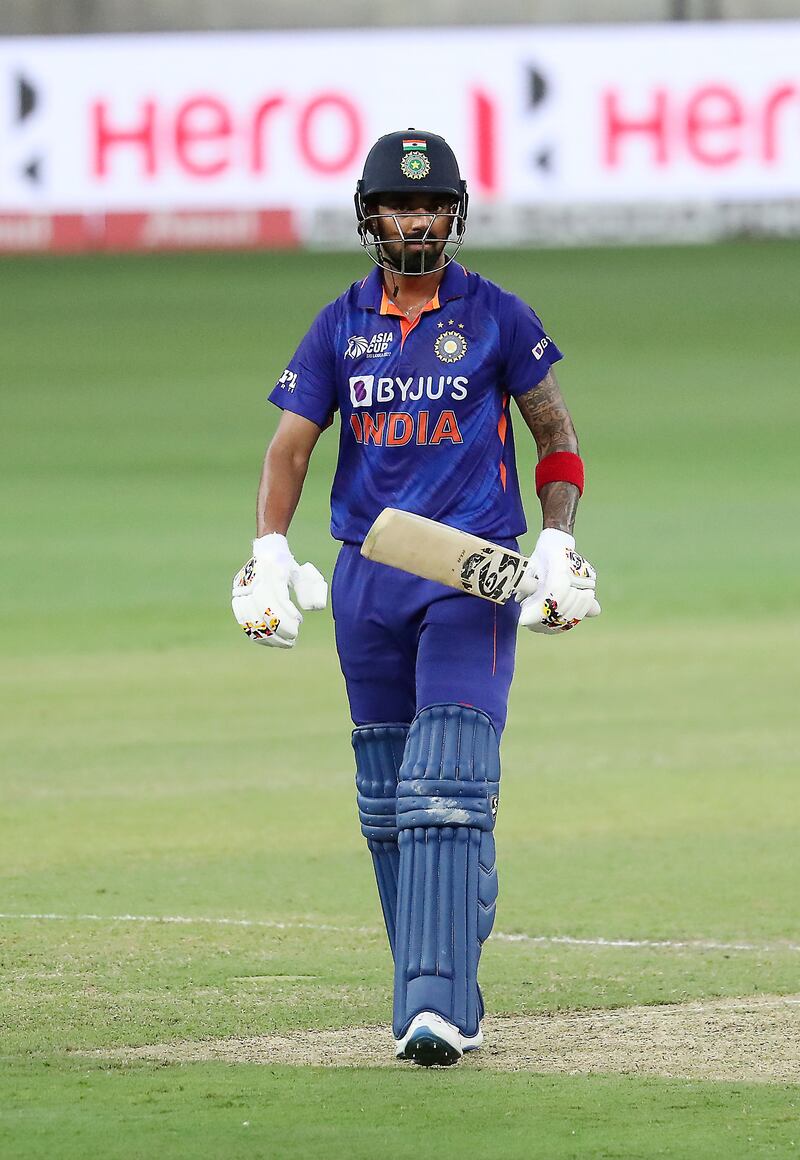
{"points": [[528, 584]]}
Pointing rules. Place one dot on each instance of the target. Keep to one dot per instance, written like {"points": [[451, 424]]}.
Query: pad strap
{"points": [[560, 465]]}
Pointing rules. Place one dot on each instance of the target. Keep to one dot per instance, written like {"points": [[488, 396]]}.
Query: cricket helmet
{"points": [[407, 162]]}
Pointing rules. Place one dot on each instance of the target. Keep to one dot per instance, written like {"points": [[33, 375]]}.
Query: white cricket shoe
{"points": [[472, 1042], [432, 1040]]}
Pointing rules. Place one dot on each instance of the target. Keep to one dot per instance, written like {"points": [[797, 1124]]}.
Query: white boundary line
{"points": [[499, 936]]}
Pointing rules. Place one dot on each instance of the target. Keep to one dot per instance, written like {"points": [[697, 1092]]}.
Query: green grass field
{"points": [[156, 765]]}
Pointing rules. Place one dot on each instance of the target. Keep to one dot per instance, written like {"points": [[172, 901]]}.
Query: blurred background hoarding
{"points": [[621, 132], [28, 17]]}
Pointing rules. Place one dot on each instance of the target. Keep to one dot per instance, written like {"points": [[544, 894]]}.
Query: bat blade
{"points": [[438, 552]]}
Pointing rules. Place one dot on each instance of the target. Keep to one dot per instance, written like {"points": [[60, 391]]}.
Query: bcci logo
{"points": [[450, 346], [416, 166], [360, 347], [361, 390]]}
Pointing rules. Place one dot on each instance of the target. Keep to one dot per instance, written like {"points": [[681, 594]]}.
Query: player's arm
{"points": [[549, 421], [260, 596], [560, 583], [284, 472]]}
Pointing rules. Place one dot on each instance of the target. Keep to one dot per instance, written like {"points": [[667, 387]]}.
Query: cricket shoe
{"points": [[432, 1040]]}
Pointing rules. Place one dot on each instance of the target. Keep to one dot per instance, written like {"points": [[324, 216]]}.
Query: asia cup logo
{"points": [[361, 390], [375, 347], [356, 346], [450, 346]]}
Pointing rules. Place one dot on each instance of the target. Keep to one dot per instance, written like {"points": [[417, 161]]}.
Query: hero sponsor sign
{"points": [[212, 122], [231, 123], [205, 136]]}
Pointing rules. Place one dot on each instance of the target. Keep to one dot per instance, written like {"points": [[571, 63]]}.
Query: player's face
{"points": [[412, 229]]}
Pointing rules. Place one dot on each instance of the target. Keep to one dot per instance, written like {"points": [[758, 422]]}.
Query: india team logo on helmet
{"points": [[415, 165], [450, 346]]}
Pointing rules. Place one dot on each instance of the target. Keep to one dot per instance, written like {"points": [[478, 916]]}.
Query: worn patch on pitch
{"points": [[755, 1038]]}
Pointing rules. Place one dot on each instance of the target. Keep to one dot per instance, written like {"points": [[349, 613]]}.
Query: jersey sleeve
{"points": [[308, 385], [527, 351]]}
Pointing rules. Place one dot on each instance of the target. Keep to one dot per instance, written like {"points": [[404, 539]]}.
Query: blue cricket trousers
{"points": [[405, 643]]}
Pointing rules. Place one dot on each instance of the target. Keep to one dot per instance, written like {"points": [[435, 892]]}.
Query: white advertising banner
{"points": [[539, 116]]}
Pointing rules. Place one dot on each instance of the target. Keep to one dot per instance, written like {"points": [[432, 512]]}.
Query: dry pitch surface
{"points": [[755, 1038]]}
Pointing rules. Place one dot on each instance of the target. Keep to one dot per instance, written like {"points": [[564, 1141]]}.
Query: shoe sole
{"points": [[428, 1050]]}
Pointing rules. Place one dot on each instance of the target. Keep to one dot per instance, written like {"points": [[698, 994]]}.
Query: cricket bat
{"points": [[438, 552]]}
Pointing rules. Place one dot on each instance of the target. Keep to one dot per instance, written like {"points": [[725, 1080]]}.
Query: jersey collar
{"points": [[370, 294]]}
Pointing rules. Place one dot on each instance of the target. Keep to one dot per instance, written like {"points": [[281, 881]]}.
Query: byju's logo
{"points": [[360, 347], [361, 390]]}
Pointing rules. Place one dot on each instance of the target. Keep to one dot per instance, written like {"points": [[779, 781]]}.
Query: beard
{"points": [[410, 257]]}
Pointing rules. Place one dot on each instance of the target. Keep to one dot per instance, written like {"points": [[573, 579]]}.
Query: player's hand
{"points": [[557, 589], [260, 595]]}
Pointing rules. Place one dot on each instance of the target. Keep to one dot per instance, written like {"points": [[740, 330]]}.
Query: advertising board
{"points": [[250, 139]]}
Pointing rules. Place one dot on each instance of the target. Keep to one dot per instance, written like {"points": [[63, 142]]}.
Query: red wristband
{"points": [[560, 465]]}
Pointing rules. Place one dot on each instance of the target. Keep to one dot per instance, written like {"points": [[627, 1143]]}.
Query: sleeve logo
{"points": [[538, 350], [288, 380]]}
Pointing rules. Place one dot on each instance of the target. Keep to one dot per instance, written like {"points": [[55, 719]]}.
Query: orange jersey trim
{"points": [[502, 431], [406, 325]]}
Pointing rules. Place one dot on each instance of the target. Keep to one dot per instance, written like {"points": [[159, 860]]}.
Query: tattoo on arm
{"points": [[559, 502], [545, 412]]}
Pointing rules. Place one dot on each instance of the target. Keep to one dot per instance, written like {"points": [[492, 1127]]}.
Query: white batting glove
{"points": [[260, 594], [557, 588]]}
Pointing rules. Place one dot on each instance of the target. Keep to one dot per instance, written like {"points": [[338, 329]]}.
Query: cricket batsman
{"points": [[421, 359]]}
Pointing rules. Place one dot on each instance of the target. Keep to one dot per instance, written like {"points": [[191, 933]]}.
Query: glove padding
{"points": [[557, 588], [260, 594]]}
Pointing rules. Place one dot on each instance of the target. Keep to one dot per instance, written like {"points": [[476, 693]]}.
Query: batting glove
{"points": [[557, 588], [260, 595]]}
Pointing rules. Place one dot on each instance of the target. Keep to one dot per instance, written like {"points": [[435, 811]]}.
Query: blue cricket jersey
{"points": [[424, 406]]}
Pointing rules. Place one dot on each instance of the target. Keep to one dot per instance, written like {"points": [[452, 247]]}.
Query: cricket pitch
{"points": [[734, 1040]]}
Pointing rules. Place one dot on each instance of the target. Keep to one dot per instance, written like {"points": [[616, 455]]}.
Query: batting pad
{"points": [[379, 752], [447, 888]]}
